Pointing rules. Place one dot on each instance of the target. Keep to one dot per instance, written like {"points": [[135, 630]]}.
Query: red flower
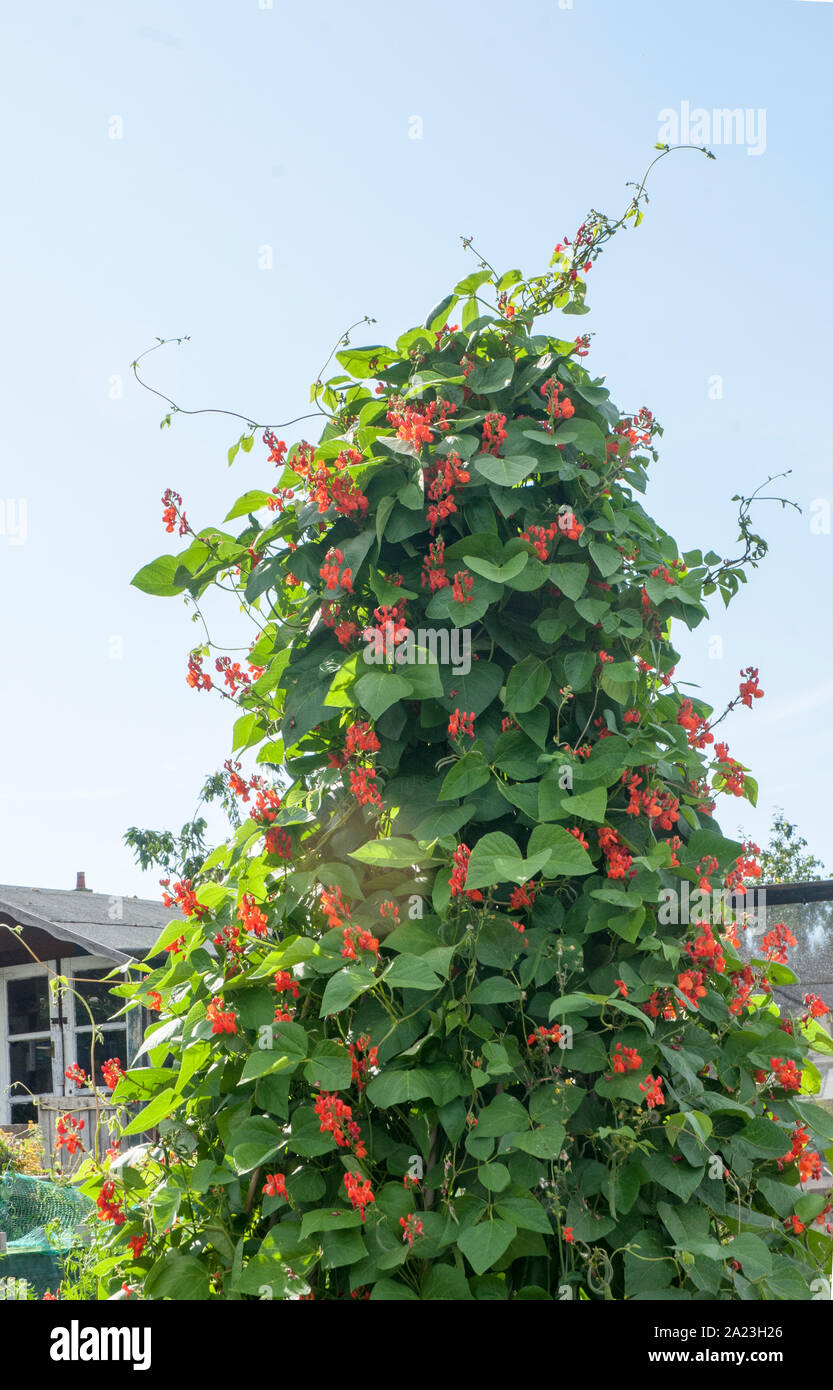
{"points": [[652, 1088], [220, 1022], [76, 1074], [112, 1072], [359, 1192], [137, 1245], [568, 1234], [275, 1186], [411, 1228]]}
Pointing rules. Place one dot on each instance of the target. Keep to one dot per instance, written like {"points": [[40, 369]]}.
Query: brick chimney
{"points": [[81, 882]]}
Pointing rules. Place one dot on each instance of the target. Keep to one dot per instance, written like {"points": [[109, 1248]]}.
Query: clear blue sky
{"points": [[245, 127]]}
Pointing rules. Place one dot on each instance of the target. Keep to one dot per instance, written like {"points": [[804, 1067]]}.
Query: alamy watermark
{"points": [[721, 126], [384, 646]]}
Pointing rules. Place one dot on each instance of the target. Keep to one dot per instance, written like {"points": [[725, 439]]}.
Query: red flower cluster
{"points": [[254, 919], [816, 1008], [277, 448], [363, 1057], [358, 939], [112, 1072], [359, 1192], [279, 842], [363, 786], [626, 1059], [707, 951], [185, 898], [494, 433], [329, 571], [285, 983], [413, 423], [173, 513], [731, 772], [557, 409], [744, 867], [196, 677], [361, 739], [749, 687], [786, 1074], [618, 857], [690, 984], [76, 1074], [707, 865], [108, 1209], [69, 1133], [462, 587], [661, 807], [776, 943], [334, 907], [695, 725], [545, 1036], [523, 895], [652, 1089], [275, 1186], [433, 573], [411, 1228], [440, 478], [221, 1022], [457, 882], [579, 836], [460, 724], [335, 1118], [137, 1245]]}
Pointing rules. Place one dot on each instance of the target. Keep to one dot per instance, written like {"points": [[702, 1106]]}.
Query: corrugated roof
{"points": [[103, 923]]}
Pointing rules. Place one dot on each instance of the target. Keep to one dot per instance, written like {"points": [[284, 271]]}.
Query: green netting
{"points": [[40, 1220]]}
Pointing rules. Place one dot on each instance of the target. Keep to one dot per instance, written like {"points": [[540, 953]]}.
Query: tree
{"points": [[784, 859], [428, 1030]]}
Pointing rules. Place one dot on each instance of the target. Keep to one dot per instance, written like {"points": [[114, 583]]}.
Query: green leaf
{"points": [[565, 855], [466, 775], [250, 502], [606, 559], [503, 1115], [489, 378], [527, 685], [177, 1277], [157, 578], [411, 972], [497, 990], [484, 1244], [345, 986], [395, 852], [158, 1109], [330, 1068], [545, 1141], [589, 805], [570, 579], [253, 1142], [495, 1177], [499, 574], [763, 1136], [505, 472], [378, 690]]}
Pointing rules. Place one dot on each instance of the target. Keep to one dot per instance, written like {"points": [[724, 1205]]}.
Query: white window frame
{"points": [[77, 1020], [63, 1039], [53, 1032]]}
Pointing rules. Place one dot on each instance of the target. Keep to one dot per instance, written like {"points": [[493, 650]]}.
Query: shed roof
{"points": [[105, 924]]}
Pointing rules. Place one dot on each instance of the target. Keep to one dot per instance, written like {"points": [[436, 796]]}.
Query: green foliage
{"points": [[784, 860], [426, 1032]]}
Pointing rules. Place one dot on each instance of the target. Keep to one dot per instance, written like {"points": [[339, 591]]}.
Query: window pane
{"points": [[24, 1110], [97, 996], [31, 1064], [112, 1046], [28, 1004]]}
